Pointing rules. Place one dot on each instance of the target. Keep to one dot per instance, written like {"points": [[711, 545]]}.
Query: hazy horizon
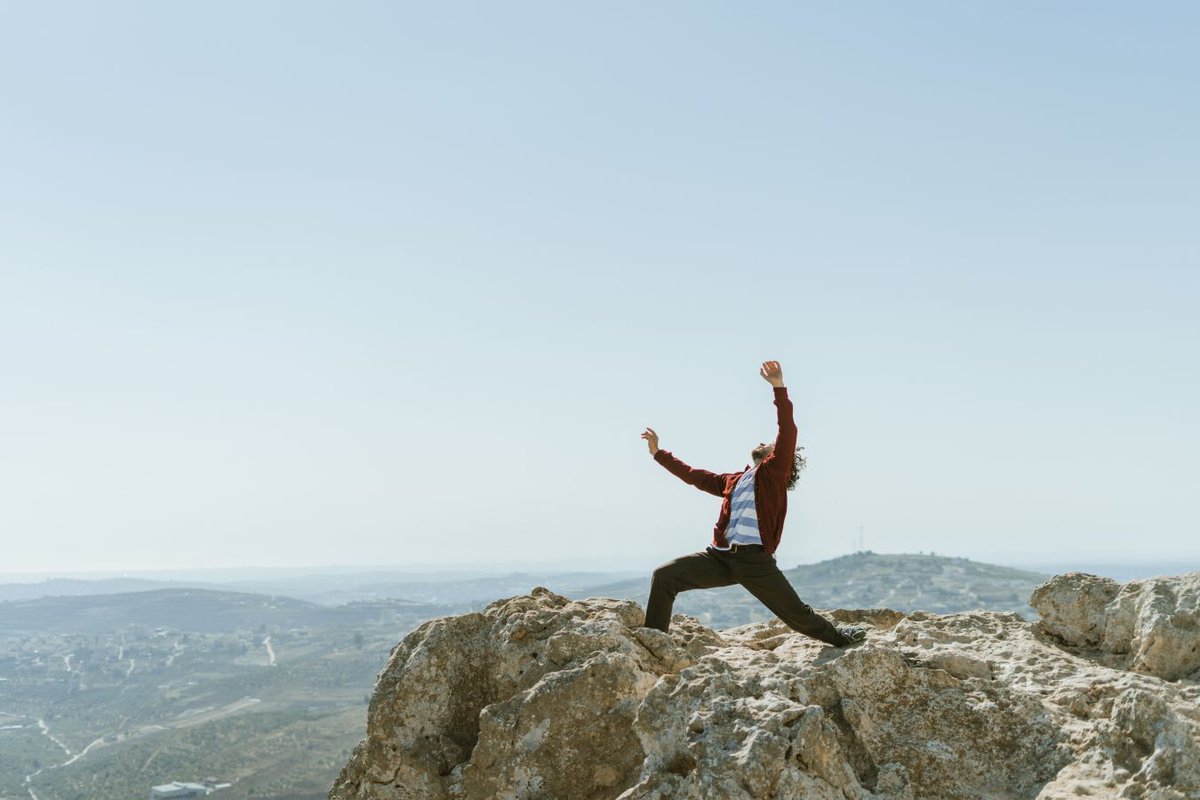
{"points": [[302, 284], [466, 570]]}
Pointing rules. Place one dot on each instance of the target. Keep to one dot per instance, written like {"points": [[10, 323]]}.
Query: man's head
{"points": [[763, 450], [799, 462]]}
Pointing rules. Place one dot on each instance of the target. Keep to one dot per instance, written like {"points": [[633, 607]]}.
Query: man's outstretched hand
{"points": [[772, 373], [651, 439]]}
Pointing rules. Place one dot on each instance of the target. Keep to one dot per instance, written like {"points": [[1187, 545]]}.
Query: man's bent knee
{"points": [[663, 576]]}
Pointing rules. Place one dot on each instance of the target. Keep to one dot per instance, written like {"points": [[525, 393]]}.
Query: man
{"points": [[747, 533]]}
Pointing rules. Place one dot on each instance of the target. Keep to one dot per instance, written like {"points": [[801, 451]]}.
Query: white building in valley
{"points": [[180, 789]]}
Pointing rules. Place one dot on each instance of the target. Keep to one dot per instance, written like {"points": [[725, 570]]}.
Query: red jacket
{"points": [[770, 482]]}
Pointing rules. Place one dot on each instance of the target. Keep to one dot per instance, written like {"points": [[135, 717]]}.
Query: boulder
{"points": [[1150, 626]]}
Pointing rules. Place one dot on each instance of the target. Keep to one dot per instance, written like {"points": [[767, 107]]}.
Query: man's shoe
{"points": [[852, 632]]}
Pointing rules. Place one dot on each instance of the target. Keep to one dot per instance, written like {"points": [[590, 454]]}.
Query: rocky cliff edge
{"points": [[539, 696]]}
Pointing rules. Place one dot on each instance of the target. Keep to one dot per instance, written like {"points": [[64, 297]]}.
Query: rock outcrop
{"points": [[1150, 626], [539, 696]]}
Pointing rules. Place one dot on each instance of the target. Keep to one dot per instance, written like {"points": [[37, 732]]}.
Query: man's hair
{"points": [[799, 462]]}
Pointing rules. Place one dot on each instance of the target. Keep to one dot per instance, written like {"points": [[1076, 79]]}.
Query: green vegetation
{"points": [[274, 710], [292, 752], [23, 751]]}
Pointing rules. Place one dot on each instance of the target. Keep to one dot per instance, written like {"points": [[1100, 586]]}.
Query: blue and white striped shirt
{"points": [[743, 519]]}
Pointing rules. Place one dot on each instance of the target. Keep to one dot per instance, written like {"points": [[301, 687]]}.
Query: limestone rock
{"points": [[1072, 606], [539, 697], [533, 696], [1150, 626]]}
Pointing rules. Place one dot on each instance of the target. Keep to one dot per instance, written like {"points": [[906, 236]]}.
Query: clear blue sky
{"points": [[295, 283]]}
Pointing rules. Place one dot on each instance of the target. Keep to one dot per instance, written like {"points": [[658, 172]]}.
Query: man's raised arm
{"points": [[783, 454], [702, 479]]}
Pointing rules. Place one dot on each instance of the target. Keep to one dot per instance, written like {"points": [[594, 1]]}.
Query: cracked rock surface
{"points": [[542, 697], [1150, 626]]}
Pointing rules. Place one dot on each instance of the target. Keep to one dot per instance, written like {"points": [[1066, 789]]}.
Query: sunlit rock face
{"points": [[542, 697], [1150, 626]]}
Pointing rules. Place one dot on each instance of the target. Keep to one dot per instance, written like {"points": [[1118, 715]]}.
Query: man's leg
{"points": [[773, 589], [695, 571]]}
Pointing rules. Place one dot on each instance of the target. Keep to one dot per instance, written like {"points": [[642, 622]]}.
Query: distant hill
{"points": [[457, 588], [902, 581], [905, 582], [73, 587], [197, 610]]}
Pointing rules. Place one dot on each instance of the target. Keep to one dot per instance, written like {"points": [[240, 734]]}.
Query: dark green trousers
{"points": [[752, 567]]}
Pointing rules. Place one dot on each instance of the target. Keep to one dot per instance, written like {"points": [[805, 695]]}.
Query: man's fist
{"points": [[651, 439], [772, 373]]}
